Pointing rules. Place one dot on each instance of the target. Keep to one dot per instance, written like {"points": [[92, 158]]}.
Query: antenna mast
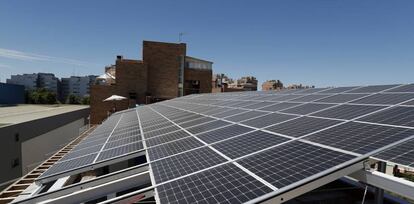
{"points": [[180, 36]]}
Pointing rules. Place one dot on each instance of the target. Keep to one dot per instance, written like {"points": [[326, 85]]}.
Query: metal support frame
{"points": [[379, 192], [129, 198], [280, 197], [98, 191], [387, 182], [59, 183], [91, 167], [83, 185]]}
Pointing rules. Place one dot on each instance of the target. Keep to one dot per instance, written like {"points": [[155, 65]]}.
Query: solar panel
{"points": [[267, 120], [223, 184], [214, 110], [116, 137], [287, 97], [207, 126], [187, 118], [387, 99], [123, 141], [372, 89], [309, 98], [400, 154], [171, 148], [359, 137], [258, 105], [89, 144], [68, 165], [245, 116], [341, 98], [405, 88], [313, 90], [272, 97], [196, 122], [347, 111], [402, 116], [120, 150], [197, 156], [166, 138], [338, 89], [244, 103], [307, 108], [223, 133], [248, 143], [157, 126], [280, 106], [82, 152], [229, 113], [409, 103], [186, 163], [162, 131], [291, 162], [301, 126]]}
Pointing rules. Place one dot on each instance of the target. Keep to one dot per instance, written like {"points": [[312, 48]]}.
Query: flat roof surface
{"points": [[22, 113]]}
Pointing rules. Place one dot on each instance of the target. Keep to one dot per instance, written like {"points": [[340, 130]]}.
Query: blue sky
{"points": [[322, 43]]}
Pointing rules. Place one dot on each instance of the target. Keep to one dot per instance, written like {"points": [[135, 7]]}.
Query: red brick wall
{"points": [[99, 109], [163, 60], [204, 76], [156, 74], [131, 77], [266, 86]]}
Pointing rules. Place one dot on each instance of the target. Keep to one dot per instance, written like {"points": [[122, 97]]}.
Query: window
{"points": [[16, 137], [15, 163], [132, 95]]}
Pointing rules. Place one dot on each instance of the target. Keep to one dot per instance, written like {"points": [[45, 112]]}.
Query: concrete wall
{"points": [[38, 149], [13, 136]]}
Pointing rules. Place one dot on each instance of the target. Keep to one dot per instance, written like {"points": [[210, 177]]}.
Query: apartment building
{"points": [[49, 82], [247, 83], [29, 81], [272, 85], [33, 81], [77, 85]]}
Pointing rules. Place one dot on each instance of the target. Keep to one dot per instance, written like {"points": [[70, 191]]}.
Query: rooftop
{"points": [[23, 113]]}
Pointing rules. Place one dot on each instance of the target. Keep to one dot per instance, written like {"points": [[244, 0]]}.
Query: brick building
{"points": [[222, 83], [247, 83], [272, 85], [164, 72]]}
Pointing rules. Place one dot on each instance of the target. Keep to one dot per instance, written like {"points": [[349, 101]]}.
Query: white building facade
{"points": [[29, 81], [77, 85], [49, 82]]}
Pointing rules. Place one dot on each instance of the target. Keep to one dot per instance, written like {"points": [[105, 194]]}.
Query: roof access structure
{"points": [[239, 147]]}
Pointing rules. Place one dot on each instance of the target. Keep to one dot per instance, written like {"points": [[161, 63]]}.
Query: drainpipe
{"points": [[181, 79]]}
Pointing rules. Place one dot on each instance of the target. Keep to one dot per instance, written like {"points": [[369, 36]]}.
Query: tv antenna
{"points": [[180, 36]]}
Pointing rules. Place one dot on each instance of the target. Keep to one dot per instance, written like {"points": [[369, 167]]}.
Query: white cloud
{"points": [[5, 66], [25, 56]]}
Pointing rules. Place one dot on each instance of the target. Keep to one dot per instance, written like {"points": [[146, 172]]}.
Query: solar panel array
{"points": [[118, 136], [236, 147]]}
